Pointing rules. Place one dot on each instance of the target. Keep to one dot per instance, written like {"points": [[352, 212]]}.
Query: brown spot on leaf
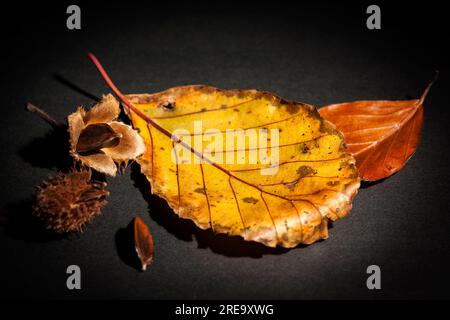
{"points": [[304, 148], [304, 171], [168, 105], [291, 185], [292, 107], [200, 190], [250, 200], [313, 113]]}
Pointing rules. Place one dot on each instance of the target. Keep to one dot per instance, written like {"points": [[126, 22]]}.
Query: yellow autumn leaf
{"points": [[284, 182]]}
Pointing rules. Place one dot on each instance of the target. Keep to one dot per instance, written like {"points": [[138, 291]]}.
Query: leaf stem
{"points": [[44, 115], [427, 89]]}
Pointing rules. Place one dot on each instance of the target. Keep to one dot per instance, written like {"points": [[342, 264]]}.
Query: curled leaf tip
{"points": [[428, 87]]}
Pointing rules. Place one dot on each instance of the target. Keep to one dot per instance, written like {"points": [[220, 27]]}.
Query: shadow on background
{"points": [[50, 151], [69, 84], [368, 184], [20, 224], [125, 247], [53, 150], [186, 230]]}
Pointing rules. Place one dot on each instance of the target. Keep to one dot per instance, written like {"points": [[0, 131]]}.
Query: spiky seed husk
{"points": [[67, 202]]}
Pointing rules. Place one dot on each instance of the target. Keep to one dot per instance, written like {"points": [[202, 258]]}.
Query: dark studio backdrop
{"points": [[319, 54]]}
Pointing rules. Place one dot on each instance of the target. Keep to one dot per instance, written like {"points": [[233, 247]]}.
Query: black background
{"points": [[319, 54]]}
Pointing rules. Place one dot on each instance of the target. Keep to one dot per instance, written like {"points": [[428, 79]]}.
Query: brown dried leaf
{"points": [[381, 135]]}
